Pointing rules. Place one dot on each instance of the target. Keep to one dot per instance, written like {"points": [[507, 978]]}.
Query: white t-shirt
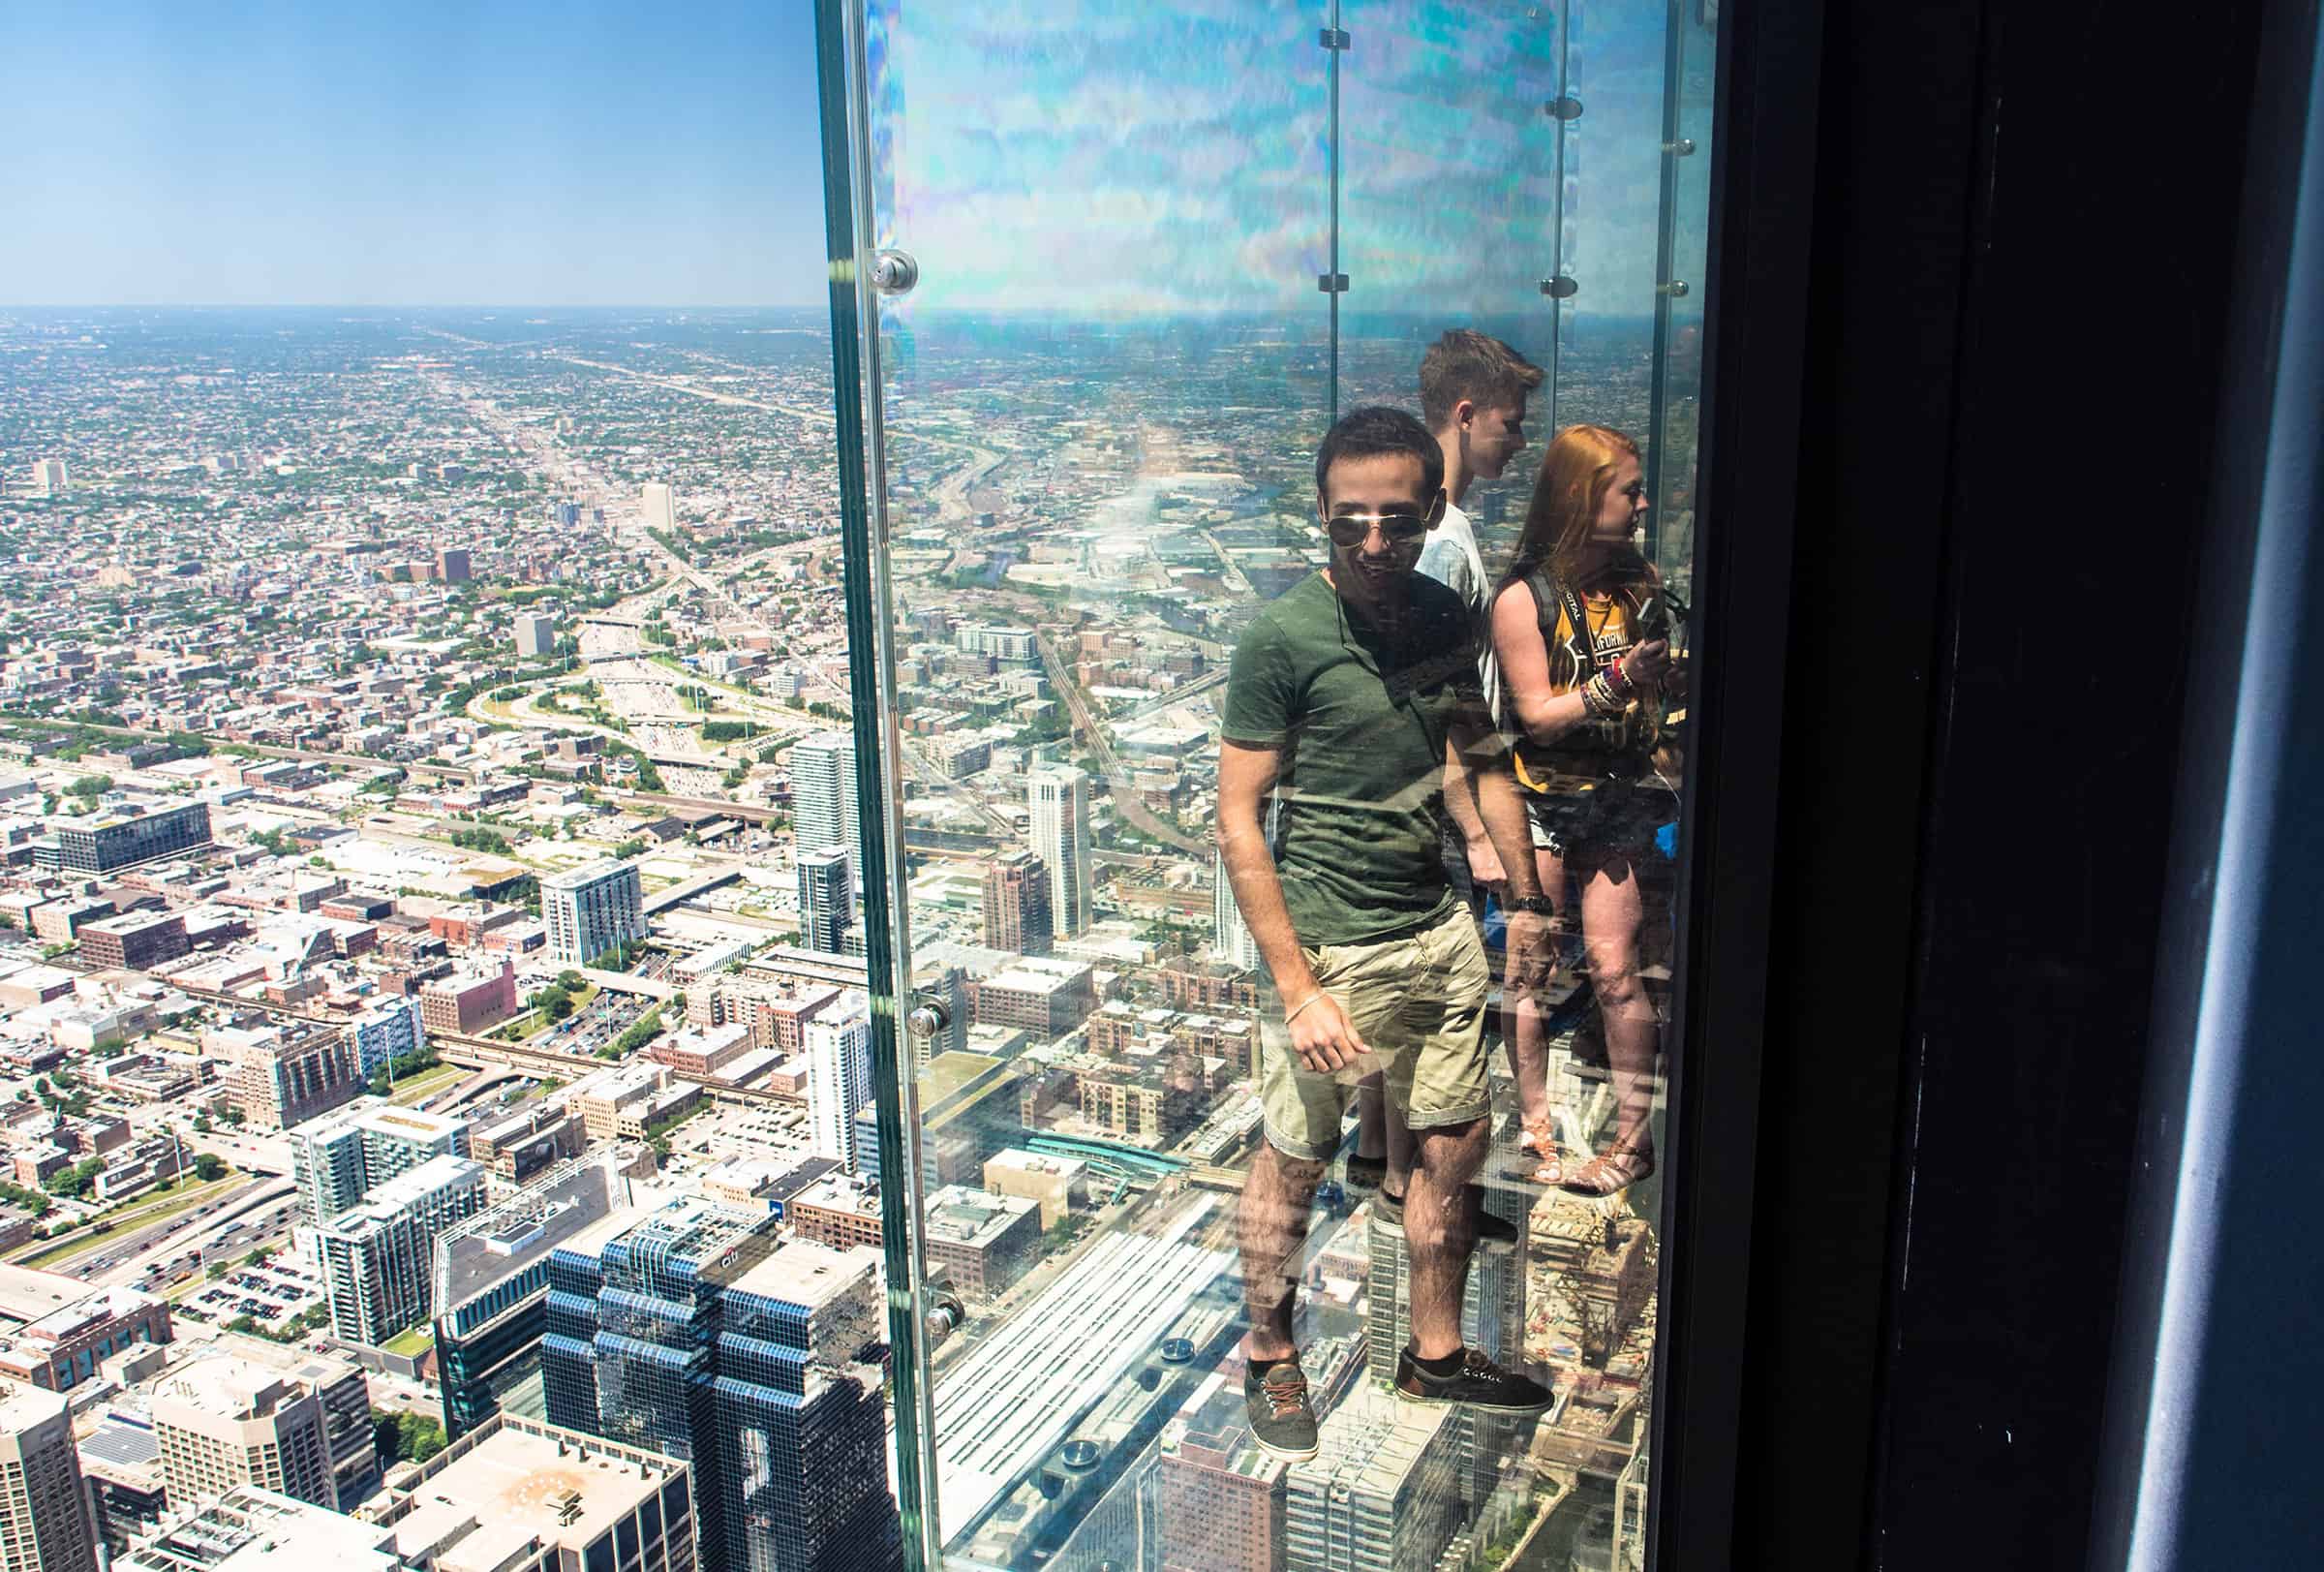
{"points": [[1451, 558]]}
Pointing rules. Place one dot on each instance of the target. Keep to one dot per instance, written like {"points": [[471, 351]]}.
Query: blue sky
{"points": [[1109, 155], [350, 152]]}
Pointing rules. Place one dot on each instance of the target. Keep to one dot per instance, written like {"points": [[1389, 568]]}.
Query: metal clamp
{"points": [[1332, 38], [1332, 283], [945, 1312], [1684, 147], [1676, 289], [894, 273], [1560, 287], [1565, 107], [927, 1016]]}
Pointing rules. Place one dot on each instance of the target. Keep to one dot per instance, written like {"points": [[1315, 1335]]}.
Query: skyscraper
{"points": [[694, 1331], [376, 1258], [589, 910], [1059, 798], [1230, 936], [1017, 904], [489, 1289], [535, 633], [826, 899], [838, 1076], [337, 1160], [385, 1031], [823, 806], [662, 508], [48, 477], [1383, 1492], [44, 1522], [225, 1421]]}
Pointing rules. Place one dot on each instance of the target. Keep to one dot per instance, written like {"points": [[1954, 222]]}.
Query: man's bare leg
{"points": [[1371, 1117], [1272, 1228], [1440, 1232]]}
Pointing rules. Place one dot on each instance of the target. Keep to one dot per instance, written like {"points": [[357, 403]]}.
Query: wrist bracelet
{"points": [[1303, 1004], [1618, 678]]}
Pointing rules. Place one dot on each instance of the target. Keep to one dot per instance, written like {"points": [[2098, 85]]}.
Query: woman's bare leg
{"points": [[1611, 913], [1525, 1018]]}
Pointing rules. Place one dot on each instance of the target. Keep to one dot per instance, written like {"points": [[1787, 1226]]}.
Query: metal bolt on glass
{"points": [[927, 1017], [894, 273]]}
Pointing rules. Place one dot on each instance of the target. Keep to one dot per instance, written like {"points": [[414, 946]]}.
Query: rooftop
{"points": [[579, 879], [256, 1530], [519, 1485]]}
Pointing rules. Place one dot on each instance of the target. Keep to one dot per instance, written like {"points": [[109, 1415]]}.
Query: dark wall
{"points": [[2021, 265]]}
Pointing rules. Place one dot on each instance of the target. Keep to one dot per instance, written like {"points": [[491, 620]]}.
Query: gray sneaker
{"points": [[1478, 1383], [1282, 1423]]}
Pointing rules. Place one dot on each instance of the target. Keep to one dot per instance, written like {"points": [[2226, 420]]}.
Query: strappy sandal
{"points": [[1618, 1167], [1541, 1139]]}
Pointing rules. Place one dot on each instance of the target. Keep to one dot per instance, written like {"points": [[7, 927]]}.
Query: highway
{"points": [[1125, 797]]}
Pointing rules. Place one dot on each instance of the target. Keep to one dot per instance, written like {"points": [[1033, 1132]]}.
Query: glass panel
{"points": [[1090, 612]]}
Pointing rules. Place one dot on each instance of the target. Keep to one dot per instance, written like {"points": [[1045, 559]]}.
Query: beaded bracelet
{"points": [[1597, 696], [1618, 677]]}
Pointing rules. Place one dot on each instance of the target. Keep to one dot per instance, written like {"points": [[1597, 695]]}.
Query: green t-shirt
{"points": [[1359, 721]]}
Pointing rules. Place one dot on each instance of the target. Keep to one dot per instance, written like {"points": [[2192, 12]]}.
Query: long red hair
{"points": [[1569, 491]]}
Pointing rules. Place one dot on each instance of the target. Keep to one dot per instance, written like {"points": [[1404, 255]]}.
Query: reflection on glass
{"points": [[1103, 403]]}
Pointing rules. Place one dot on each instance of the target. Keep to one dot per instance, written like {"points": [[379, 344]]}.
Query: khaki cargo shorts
{"points": [[1418, 1000]]}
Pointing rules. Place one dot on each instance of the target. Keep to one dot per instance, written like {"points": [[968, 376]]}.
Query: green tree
{"points": [[208, 1167]]}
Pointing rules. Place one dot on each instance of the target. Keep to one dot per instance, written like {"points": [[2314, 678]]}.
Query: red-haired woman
{"points": [[1582, 639]]}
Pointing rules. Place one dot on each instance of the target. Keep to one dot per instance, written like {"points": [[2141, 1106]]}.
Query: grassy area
{"points": [[160, 1206], [411, 1088], [411, 1342]]}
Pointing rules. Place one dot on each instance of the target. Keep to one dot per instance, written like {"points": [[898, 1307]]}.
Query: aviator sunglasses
{"points": [[1401, 528]]}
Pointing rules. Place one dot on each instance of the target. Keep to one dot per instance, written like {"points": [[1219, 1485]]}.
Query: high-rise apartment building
{"points": [[589, 910], [337, 1162], [120, 837], [49, 477], [1017, 904], [826, 900], [661, 507], [747, 1369], [376, 1258], [383, 1032], [839, 1077], [280, 1075], [45, 1523], [452, 566], [1230, 938], [1383, 1493], [519, 1493], [823, 802], [227, 1421], [489, 1290], [1059, 798], [535, 633]]}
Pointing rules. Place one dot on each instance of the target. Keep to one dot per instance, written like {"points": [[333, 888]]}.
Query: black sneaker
{"points": [[1388, 1210], [1479, 1383], [1282, 1424]]}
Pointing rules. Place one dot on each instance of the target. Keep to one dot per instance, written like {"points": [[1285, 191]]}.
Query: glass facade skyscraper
{"points": [[694, 1330]]}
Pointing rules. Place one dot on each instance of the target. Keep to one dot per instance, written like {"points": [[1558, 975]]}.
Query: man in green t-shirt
{"points": [[1353, 701]]}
